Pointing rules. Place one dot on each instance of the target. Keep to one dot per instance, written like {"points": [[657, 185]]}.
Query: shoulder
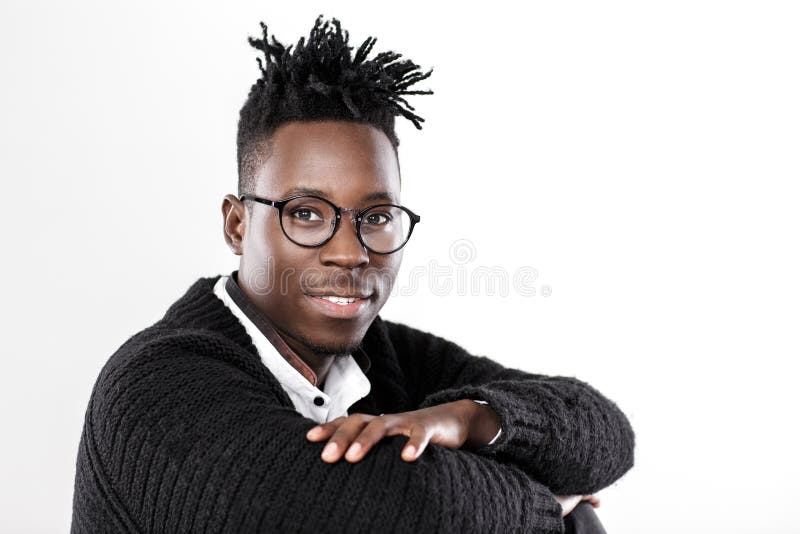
{"points": [[403, 335], [165, 341], [163, 357], [401, 332]]}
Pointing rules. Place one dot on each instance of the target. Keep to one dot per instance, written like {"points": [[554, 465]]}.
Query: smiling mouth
{"points": [[339, 307], [337, 300]]}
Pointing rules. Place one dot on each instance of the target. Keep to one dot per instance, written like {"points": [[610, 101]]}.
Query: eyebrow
{"points": [[378, 195]]}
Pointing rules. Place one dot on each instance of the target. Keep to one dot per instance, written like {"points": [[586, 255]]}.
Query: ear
{"points": [[234, 217]]}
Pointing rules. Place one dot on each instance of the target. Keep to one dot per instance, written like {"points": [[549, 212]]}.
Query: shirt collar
{"points": [[266, 327]]}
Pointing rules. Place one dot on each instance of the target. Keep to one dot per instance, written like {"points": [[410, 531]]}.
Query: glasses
{"points": [[311, 221]]}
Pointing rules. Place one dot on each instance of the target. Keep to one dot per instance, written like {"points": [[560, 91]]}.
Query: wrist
{"points": [[482, 422]]}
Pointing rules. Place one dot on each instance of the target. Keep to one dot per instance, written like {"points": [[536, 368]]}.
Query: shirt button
{"points": [[319, 401]]}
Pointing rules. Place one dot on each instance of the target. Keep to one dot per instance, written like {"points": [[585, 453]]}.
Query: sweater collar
{"points": [[199, 308]]}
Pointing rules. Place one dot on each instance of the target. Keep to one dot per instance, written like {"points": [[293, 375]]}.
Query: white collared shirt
{"points": [[345, 384]]}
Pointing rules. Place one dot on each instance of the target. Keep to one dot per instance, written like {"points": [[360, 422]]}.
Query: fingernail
{"points": [[353, 450], [329, 451], [409, 451], [313, 432]]}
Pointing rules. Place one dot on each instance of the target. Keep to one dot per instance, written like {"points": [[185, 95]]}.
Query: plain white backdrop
{"points": [[641, 157]]}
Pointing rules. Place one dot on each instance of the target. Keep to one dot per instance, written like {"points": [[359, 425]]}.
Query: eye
{"points": [[305, 214], [378, 218]]}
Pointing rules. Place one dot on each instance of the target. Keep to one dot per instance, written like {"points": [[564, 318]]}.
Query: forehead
{"points": [[347, 161]]}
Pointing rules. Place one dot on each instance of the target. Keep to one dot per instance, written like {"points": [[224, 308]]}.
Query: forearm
{"points": [[234, 459], [559, 430]]}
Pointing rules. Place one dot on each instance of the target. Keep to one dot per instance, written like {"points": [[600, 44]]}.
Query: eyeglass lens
{"points": [[310, 221]]}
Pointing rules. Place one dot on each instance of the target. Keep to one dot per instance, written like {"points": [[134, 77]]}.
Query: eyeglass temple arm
{"points": [[273, 203]]}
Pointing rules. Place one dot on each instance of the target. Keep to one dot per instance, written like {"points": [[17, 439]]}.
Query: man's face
{"points": [[354, 166]]}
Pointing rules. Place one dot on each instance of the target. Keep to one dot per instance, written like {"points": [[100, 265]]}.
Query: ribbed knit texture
{"points": [[187, 431]]}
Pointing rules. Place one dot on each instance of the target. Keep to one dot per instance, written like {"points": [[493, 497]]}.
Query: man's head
{"points": [[319, 121]]}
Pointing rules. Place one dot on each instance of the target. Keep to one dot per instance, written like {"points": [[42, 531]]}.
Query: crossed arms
{"points": [[189, 441]]}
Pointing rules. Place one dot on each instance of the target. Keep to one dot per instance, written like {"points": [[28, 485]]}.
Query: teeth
{"points": [[339, 300]]}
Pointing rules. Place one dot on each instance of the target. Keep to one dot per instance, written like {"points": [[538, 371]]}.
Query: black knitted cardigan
{"points": [[187, 431]]}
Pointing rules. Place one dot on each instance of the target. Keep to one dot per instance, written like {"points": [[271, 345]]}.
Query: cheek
{"points": [[260, 237], [385, 269], [269, 258]]}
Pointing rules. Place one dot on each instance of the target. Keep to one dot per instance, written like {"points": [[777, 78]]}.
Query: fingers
{"points": [[568, 503], [371, 434], [354, 436], [324, 430], [381, 427], [345, 433], [418, 440], [593, 500]]}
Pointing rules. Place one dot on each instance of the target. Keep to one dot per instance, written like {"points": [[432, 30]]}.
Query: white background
{"points": [[641, 156]]}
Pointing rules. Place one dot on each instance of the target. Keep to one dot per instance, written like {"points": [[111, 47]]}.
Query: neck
{"points": [[319, 363], [312, 364]]}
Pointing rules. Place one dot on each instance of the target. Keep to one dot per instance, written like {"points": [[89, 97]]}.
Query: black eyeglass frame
{"points": [[280, 204]]}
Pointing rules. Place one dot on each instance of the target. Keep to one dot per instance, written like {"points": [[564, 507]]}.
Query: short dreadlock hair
{"points": [[321, 80]]}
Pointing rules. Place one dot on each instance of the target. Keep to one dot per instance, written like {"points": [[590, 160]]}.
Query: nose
{"points": [[344, 249]]}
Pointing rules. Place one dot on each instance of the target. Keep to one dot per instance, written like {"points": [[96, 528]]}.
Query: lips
{"points": [[339, 300], [353, 295], [339, 306]]}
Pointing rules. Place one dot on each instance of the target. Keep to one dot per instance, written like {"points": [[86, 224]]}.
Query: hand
{"points": [[446, 424], [569, 502]]}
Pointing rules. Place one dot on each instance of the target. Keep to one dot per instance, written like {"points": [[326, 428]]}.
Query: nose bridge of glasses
{"points": [[348, 248], [353, 211], [353, 214]]}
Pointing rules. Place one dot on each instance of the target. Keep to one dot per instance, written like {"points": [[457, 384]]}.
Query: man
{"points": [[276, 399]]}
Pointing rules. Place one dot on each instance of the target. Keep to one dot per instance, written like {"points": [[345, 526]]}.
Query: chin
{"points": [[331, 347]]}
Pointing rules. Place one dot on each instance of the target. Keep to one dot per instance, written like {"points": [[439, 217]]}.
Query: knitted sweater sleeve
{"points": [[182, 438], [559, 430]]}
